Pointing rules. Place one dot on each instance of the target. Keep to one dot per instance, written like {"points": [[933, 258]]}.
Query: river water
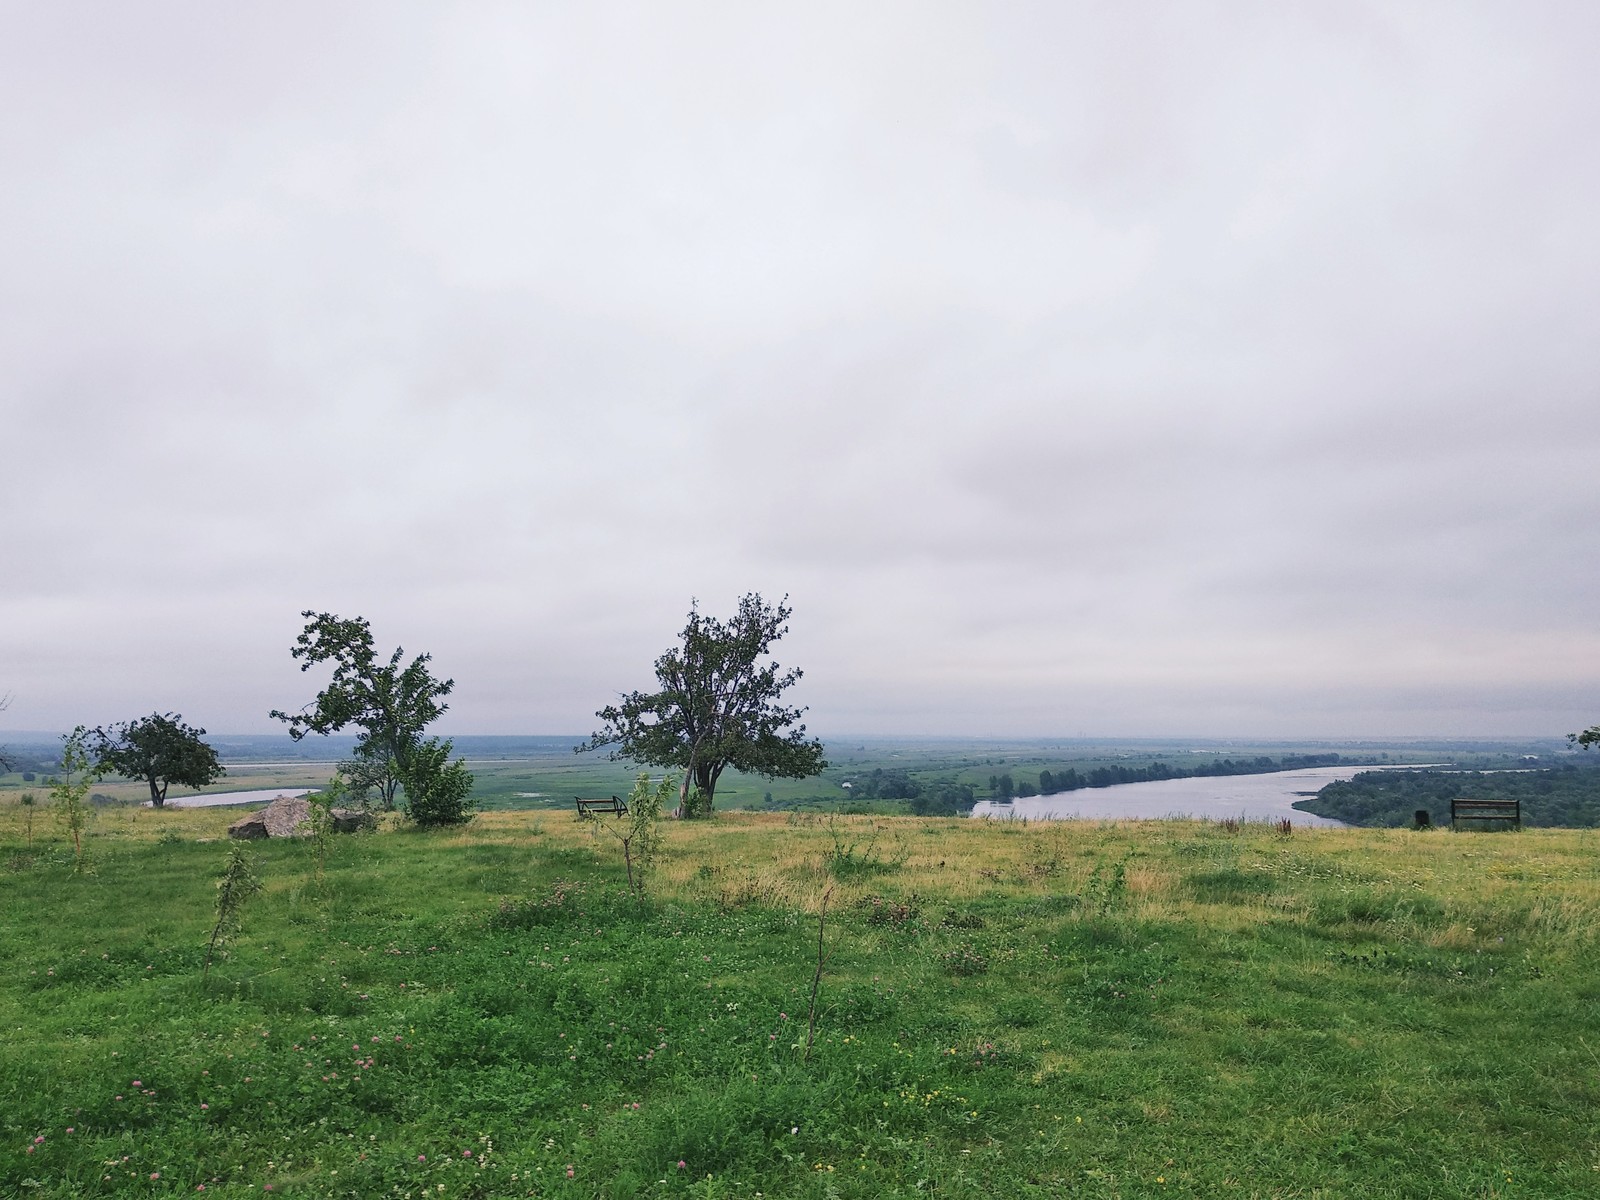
{"points": [[1211, 797], [218, 799]]}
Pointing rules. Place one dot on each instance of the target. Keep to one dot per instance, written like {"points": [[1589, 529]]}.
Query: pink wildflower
{"points": [[682, 1165]]}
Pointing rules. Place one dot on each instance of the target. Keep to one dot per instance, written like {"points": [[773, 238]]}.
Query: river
{"points": [[1268, 797], [219, 799]]}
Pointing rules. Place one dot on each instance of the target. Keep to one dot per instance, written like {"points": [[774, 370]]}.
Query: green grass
{"points": [[1139, 1009]]}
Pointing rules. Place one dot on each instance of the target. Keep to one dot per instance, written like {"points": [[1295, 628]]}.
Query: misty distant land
{"points": [[542, 771]]}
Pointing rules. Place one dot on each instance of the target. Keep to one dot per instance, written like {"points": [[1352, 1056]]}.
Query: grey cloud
{"points": [[1222, 369]]}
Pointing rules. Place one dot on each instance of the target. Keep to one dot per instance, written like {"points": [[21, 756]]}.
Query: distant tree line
{"points": [[943, 798], [886, 784], [1567, 796]]}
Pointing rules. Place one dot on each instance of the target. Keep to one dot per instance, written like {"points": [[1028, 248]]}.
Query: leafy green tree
{"points": [[392, 705], [717, 707], [1589, 737], [160, 750]]}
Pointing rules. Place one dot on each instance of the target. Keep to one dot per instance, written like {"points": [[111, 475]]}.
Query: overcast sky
{"points": [[1108, 368]]}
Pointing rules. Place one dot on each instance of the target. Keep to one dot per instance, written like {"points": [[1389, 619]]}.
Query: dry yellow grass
{"points": [[1547, 878]]}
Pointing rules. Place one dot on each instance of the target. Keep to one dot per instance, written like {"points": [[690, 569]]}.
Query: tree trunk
{"points": [[158, 795], [707, 783]]}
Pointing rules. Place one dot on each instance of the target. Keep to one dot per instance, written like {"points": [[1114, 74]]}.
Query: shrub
{"points": [[438, 792]]}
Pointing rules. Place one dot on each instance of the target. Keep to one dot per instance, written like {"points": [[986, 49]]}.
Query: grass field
{"points": [[1148, 1009]]}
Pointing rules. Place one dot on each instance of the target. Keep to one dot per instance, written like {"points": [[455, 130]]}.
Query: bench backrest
{"points": [[1509, 811]]}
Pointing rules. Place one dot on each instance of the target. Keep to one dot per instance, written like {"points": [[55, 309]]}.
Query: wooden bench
{"points": [[616, 806], [1508, 811]]}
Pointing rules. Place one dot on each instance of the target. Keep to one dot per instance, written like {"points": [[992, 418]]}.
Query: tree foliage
{"points": [[438, 791], [1567, 796], [392, 704], [717, 707], [364, 775], [1589, 737], [160, 750]]}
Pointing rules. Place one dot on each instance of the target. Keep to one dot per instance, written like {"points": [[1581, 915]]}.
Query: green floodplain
{"points": [[544, 772], [1096, 1009]]}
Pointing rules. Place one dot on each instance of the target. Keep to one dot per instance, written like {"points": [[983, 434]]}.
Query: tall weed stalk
{"points": [[237, 885], [1106, 891]]}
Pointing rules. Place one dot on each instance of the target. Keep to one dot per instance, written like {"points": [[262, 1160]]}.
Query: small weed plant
{"points": [[1106, 890], [852, 857]]}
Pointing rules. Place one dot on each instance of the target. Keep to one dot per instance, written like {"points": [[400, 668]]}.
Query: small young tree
{"points": [[70, 795], [5, 759], [27, 809], [640, 831], [235, 887], [319, 816]]}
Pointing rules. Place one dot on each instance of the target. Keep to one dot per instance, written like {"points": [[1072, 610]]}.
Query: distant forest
{"points": [[946, 798], [1568, 796]]}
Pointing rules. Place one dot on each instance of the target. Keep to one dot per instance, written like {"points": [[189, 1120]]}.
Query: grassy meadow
{"points": [[1140, 1009]]}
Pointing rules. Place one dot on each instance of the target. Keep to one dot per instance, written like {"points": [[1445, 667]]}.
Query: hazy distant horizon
{"points": [[345, 740]]}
